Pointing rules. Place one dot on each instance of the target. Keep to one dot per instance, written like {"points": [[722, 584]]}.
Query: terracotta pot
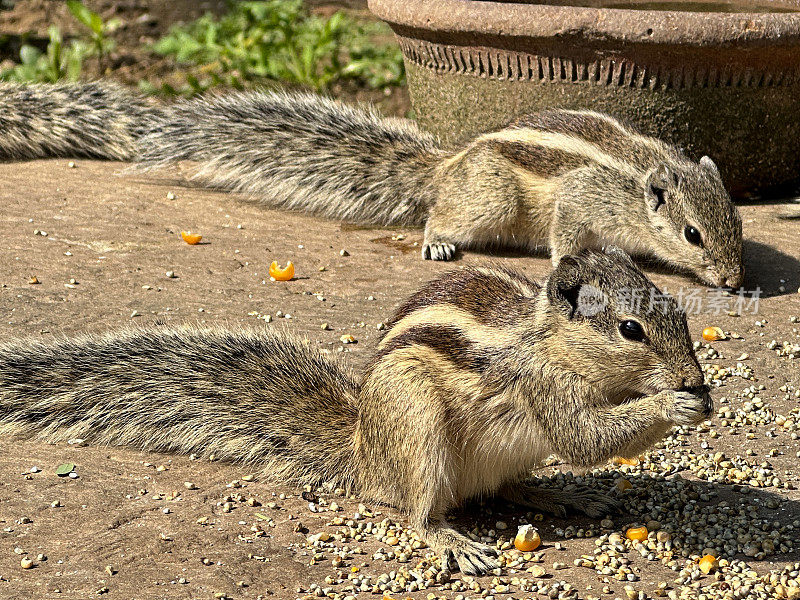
{"points": [[726, 84]]}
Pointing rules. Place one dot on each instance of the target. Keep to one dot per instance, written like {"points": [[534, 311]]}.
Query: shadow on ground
{"points": [[682, 500], [770, 269]]}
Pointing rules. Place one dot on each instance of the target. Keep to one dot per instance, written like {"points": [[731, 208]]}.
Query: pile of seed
{"points": [[787, 349], [683, 519]]}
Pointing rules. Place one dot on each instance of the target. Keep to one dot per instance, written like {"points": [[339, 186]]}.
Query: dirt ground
{"points": [[110, 239]]}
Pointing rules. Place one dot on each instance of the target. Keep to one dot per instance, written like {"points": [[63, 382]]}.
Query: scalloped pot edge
{"points": [[520, 66]]}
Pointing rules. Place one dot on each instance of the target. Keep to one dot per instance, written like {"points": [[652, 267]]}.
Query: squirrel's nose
{"points": [[734, 278]]}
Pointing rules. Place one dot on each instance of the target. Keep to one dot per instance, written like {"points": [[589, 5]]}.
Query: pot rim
{"points": [[510, 19]]}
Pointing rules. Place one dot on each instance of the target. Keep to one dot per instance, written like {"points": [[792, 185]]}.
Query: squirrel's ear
{"points": [[564, 286], [709, 164], [657, 184]]}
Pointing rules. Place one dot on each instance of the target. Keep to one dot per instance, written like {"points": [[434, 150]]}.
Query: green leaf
{"points": [[73, 59], [169, 90], [95, 22], [308, 61], [28, 55], [80, 12], [112, 25], [65, 469], [54, 33]]}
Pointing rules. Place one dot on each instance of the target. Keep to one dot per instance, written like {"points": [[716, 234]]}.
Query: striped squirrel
{"points": [[567, 179], [480, 375]]}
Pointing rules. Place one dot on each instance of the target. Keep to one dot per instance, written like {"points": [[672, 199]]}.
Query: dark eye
{"points": [[631, 330], [692, 235]]}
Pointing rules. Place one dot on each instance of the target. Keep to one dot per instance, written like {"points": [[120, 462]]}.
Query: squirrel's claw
{"points": [[457, 550], [474, 558], [438, 251], [687, 407]]}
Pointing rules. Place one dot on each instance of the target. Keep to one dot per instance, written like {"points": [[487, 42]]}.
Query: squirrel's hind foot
{"points": [[556, 502], [472, 558]]}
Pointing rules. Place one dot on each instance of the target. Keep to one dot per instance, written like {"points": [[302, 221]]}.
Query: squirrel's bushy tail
{"points": [[303, 152], [262, 398], [100, 120], [288, 150]]}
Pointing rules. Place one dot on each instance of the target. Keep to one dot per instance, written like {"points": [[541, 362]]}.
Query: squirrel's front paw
{"points": [[688, 407]]}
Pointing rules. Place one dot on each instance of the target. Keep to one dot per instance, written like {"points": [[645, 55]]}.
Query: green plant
{"points": [[279, 40], [376, 65], [99, 29], [58, 62]]}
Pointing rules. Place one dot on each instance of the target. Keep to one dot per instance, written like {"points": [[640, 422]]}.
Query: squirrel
{"points": [[563, 178], [480, 375]]}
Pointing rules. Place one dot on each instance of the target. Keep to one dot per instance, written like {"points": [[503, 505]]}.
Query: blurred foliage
{"points": [[98, 29], [58, 62], [62, 61], [279, 40], [253, 43]]}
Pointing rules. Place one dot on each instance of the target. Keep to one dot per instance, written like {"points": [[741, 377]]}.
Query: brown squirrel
{"points": [[560, 178], [480, 375]]}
